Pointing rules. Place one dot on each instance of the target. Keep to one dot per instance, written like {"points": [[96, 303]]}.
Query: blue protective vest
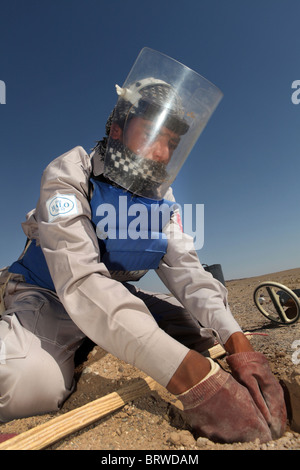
{"points": [[129, 230], [33, 267], [132, 226]]}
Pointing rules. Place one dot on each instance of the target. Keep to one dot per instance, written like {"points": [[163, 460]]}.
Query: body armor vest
{"points": [[130, 236]]}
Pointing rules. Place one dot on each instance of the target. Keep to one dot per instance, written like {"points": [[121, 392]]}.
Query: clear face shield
{"points": [[163, 107]]}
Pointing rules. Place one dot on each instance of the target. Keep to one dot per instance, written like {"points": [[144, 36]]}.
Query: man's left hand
{"points": [[251, 369]]}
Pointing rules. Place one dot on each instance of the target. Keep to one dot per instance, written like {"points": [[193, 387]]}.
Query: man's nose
{"points": [[161, 151]]}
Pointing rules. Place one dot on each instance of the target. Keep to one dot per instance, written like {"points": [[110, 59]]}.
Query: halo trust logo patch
{"points": [[62, 205]]}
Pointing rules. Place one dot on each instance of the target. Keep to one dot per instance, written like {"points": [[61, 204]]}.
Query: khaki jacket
{"points": [[102, 306]]}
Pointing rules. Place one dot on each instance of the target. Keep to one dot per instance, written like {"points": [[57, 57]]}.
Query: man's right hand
{"points": [[222, 410]]}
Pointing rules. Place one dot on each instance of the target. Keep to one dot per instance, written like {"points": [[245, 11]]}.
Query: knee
{"points": [[29, 388]]}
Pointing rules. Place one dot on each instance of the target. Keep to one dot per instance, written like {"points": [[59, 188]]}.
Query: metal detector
{"points": [[277, 302]]}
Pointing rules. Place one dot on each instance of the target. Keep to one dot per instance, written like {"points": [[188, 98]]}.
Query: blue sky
{"points": [[60, 60]]}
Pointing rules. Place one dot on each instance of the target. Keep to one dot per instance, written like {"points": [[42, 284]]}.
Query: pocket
{"points": [[15, 340]]}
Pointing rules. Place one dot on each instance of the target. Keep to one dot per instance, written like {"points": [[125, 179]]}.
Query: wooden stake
{"points": [[47, 433]]}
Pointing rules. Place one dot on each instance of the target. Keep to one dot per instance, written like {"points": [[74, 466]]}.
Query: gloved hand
{"points": [[222, 410], [252, 370]]}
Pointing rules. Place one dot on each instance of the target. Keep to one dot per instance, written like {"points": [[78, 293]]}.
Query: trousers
{"points": [[38, 343]]}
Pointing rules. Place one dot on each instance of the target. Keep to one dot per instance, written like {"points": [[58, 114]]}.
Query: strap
{"points": [[8, 278]]}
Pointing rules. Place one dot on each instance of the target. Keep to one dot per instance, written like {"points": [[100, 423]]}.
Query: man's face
{"points": [[143, 139]]}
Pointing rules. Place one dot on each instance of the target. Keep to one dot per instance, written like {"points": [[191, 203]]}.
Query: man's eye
{"points": [[173, 145], [148, 133]]}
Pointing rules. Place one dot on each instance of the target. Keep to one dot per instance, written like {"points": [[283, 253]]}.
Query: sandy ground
{"points": [[154, 421]]}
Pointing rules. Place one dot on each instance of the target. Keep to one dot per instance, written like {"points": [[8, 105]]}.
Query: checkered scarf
{"points": [[138, 174]]}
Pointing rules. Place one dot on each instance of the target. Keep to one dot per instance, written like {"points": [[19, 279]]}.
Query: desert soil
{"points": [[154, 421]]}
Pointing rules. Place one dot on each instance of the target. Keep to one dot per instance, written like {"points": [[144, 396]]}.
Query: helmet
{"points": [[147, 98], [161, 110]]}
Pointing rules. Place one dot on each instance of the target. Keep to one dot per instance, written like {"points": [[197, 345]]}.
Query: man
{"points": [[72, 281]]}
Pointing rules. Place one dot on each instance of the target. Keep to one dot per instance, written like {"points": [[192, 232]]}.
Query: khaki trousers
{"points": [[38, 342]]}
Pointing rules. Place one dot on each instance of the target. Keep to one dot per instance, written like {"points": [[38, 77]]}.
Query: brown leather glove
{"points": [[222, 410], [252, 370]]}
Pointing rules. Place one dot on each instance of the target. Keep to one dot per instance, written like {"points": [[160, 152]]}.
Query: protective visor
{"points": [[163, 107]]}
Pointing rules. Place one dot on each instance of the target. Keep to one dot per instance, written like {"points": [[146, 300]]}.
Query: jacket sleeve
{"points": [[101, 307], [204, 297]]}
